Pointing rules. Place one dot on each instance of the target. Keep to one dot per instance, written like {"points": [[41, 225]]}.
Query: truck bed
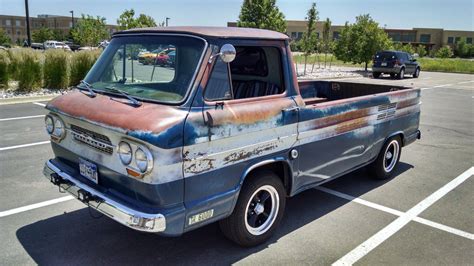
{"points": [[314, 92]]}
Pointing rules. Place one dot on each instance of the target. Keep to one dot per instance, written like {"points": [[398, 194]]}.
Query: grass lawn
{"points": [[453, 65]]}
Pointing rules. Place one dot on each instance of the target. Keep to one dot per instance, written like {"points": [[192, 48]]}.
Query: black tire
{"points": [[237, 227], [416, 74], [401, 74], [392, 75], [376, 75], [383, 166]]}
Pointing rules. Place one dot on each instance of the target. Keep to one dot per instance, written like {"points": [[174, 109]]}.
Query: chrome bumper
{"points": [[147, 222]]}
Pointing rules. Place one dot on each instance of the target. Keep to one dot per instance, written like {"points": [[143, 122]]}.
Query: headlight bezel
{"points": [[57, 123], [148, 159], [126, 161], [46, 118]]}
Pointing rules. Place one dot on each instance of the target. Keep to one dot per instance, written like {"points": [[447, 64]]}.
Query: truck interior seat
{"points": [[253, 88]]}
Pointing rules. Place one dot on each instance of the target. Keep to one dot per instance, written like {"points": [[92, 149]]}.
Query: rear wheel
{"points": [[376, 74], [416, 74], [401, 74], [388, 158], [258, 211]]}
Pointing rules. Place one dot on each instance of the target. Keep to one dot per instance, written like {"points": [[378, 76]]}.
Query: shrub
{"points": [[4, 71], [444, 52], [420, 50], [55, 69], [81, 63], [28, 70]]}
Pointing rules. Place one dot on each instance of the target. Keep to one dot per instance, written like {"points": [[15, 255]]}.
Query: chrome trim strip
{"points": [[146, 222]]}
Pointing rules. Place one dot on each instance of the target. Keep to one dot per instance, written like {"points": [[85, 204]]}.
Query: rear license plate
{"points": [[88, 170], [383, 64]]}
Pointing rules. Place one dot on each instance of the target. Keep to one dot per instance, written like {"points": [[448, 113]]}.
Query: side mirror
{"points": [[227, 53]]}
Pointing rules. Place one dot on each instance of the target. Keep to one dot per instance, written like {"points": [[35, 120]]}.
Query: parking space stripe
{"points": [[35, 206], [441, 86], [363, 249], [465, 82], [21, 117], [40, 104], [397, 213], [24, 145]]}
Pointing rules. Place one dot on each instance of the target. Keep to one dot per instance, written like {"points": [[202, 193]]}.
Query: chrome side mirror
{"points": [[227, 53]]}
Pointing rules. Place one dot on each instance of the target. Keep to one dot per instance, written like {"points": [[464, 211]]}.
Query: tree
{"points": [[461, 48], [89, 31], [404, 47], [309, 38], [326, 39], [42, 35], [127, 20], [59, 35], [361, 40], [420, 50], [444, 52], [4, 38], [261, 14]]}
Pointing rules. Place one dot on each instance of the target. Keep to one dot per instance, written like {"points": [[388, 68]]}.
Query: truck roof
{"points": [[214, 32]]}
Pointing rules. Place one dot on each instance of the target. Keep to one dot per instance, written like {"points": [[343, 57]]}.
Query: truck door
{"points": [[245, 117]]}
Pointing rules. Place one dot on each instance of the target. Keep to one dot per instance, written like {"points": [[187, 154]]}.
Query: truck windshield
{"points": [[157, 68]]}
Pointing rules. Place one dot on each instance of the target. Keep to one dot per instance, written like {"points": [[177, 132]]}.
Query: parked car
{"points": [[56, 45], [171, 59], [38, 46], [395, 63], [227, 135], [156, 57], [73, 46]]}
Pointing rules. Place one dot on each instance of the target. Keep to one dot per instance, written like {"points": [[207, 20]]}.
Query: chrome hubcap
{"points": [[262, 210], [391, 156]]}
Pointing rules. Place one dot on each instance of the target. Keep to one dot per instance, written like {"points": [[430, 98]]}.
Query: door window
{"points": [[219, 87]]}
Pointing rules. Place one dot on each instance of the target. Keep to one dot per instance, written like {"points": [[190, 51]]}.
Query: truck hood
{"points": [[151, 122]]}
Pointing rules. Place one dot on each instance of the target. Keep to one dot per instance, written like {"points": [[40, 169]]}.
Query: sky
{"points": [[452, 14]]}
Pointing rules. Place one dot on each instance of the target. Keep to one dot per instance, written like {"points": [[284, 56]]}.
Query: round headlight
{"points": [[125, 152], [49, 124], [143, 159], [58, 128]]}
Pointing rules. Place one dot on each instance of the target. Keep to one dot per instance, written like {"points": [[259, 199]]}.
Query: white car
{"points": [[56, 45]]}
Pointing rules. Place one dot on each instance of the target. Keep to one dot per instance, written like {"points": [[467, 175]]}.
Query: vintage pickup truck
{"points": [[224, 132]]}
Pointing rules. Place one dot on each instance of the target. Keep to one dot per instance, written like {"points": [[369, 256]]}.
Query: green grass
{"points": [[451, 65]]}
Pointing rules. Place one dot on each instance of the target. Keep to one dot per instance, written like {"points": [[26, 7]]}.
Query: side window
{"points": [[219, 87]]}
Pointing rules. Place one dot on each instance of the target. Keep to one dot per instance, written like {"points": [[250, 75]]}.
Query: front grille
{"points": [[92, 139]]}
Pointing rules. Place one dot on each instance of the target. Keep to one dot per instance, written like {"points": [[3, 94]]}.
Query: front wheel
{"points": [[376, 75], [258, 211], [417, 73], [388, 158]]}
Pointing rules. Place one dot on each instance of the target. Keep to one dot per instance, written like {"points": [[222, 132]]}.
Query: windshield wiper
{"points": [[133, 101], [89, 87]]}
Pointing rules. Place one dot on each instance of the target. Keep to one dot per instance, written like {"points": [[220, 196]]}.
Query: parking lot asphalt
{"points": [[423, 215]]}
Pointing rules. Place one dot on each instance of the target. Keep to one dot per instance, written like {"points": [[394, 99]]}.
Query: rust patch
{"points": [[200, 166], [341, 118], [242, 155], [150, 117], [351, 125]]}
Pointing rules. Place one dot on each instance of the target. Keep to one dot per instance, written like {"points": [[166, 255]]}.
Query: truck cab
{"points": [[224, 133]]}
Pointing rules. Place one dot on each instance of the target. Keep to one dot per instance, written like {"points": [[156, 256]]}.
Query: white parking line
{"points": [[465, 82], [24, 145], [377, 239], [40, 104], [441, 86], [19, 118], [397, 213], [35, 206]]}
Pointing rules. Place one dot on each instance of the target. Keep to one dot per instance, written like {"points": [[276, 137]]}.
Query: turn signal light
{"points": [[133, 173]]}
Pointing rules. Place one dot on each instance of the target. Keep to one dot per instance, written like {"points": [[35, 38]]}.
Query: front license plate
{"points": [[88, 170], [383, 64]]}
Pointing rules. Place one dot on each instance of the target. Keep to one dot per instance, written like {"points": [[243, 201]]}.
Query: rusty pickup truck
{"points": [[223, 131]]}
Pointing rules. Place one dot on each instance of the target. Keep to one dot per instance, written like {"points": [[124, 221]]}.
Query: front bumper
{"points": [[147, 222]]}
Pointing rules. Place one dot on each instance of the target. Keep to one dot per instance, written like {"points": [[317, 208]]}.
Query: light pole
{"points": [[167, 21], [72, 17], [28, 33]]}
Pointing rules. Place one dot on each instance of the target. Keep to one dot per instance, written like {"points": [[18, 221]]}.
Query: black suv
{"points": [[395, 63]]}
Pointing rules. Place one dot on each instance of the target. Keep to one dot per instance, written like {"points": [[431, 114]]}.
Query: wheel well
{"points": [[280, 168], [400, 135]]}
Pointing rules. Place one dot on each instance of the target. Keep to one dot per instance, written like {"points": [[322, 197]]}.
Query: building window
{"points": [[335, 35], [8, 22], [410, 37], [425, 38], [469, 40], [450, 40], [395, 36], [9, 32], [18, 23], [18, 32]]}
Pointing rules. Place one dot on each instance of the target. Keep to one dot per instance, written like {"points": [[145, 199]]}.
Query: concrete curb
{"points": [[27, 99]]}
